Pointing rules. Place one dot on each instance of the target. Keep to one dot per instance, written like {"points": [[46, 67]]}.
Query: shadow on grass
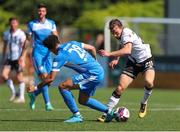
{"points": [[32, 120], [41, 120]]}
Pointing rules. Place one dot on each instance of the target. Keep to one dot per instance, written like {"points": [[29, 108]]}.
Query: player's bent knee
{"points": [[149, 85], [82, 101], [61, 86], [4, 76], [64, 85]]}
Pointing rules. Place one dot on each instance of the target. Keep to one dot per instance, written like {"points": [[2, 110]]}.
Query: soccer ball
{"points": [[122, 114]]}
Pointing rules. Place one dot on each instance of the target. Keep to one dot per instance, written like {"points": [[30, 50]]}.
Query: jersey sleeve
{"points": [[127, 37], [5, 36], [23, 37], [58, 62], [29, 28], [54, 26], [82, 45]]}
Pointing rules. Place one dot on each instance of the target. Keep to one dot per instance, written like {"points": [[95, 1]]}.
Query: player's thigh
{"points": [[39, 64], [48, 65], [68, 84], [149, 76], [87, 82], [5, 71], [124, 81]]}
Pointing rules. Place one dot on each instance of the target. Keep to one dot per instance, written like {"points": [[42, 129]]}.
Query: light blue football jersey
{"points": [[74, 56], [39, 31]]}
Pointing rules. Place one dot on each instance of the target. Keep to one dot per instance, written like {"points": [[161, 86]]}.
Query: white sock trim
{"points": [[77, 113], [112, 102], [22, 89], [147, 94], [10, 84]]}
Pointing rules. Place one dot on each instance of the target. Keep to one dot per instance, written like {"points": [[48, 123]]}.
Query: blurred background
{"points": [[156, 21]]}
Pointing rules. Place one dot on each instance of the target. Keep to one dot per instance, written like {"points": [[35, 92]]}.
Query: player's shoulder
{"points": [[70, 44], [62, 54], [32, 21], [19, 30], [127, 30], [50, 20], [6, 32], [73, 42]]}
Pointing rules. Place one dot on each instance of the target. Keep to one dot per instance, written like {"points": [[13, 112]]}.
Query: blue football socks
{"points": [[45, 93], [94, 104], [69, 100]]}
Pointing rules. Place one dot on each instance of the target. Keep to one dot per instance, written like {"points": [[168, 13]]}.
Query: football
{"points": [[122, 114]]}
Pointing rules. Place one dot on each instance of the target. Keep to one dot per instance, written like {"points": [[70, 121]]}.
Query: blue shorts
{"points": [[88, 82], [42, 63]]}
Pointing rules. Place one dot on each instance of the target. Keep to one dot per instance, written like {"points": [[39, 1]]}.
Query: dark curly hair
{"points": [[115, 22], [51, 41], [13, 18], [41, 5]]}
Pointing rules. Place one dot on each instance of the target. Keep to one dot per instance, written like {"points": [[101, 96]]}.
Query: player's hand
{"points": [[113, 63], [30, 89], [104, 53]]}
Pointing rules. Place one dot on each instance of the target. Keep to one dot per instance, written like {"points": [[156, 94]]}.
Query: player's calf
{"points": [[143, 106]]}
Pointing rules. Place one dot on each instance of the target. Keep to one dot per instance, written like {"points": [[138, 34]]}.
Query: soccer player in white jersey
{"points": [[40, 29], [139, 61], [14, 39]]}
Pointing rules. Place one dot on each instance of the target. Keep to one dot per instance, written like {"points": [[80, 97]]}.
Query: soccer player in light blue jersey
{"points": [[40, 29], [73, 55]]}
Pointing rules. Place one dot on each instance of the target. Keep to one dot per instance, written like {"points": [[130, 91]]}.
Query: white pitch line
{"points": [[131, 109]]}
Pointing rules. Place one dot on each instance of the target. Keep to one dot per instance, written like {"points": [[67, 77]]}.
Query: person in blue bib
{"points": [[90, 73]]}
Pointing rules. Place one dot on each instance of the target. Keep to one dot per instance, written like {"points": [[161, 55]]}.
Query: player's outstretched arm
{"points": [[23, 53], [4, 51], [91, 49], [126, 50], [22, 57]]}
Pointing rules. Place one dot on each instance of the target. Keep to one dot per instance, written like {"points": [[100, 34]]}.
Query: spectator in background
{"points": [[99, 44], [14, 39], [88, 38]]}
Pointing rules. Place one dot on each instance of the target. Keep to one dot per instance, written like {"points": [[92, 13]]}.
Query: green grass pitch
{"points": [[163, 113]]}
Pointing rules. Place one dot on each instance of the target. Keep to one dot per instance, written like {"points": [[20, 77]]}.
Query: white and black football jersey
{"points": [[140, 51], [14, 43]]}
